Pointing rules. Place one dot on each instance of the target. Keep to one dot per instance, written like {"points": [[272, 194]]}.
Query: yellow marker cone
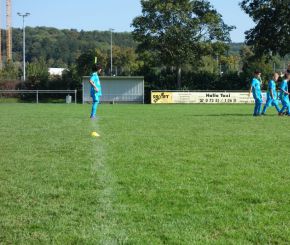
{"points": [[95, 134]]}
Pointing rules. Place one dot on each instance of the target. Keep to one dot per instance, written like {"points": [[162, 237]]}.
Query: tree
{"points": [[251, 63], [37, 74], [124, 61], [271, 35], [86, 60], [10, 71], [178, 32]]}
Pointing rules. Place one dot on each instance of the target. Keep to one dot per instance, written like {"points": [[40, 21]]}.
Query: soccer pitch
{"points": [[158, 174]]}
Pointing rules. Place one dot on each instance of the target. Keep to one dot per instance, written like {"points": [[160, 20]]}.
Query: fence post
{"points": [[83, 91], [36, 96], [75, 96]]}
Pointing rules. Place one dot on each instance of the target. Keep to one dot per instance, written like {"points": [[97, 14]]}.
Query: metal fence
{"points": [[37, 92]]}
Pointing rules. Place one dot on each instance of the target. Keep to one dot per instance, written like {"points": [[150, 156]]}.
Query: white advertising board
{"points": [[159, 97]]}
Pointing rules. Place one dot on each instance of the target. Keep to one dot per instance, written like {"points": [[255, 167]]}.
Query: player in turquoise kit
{"points": [[272, 99], [96, 89], [284, 94], [257, 93]]}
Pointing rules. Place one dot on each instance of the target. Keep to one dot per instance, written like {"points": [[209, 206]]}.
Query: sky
{"points": [[101, 15]]}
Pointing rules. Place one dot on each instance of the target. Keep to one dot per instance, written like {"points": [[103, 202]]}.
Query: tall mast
{"points": [[8, 31]]}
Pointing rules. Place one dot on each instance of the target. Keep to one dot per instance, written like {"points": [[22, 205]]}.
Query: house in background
{"points": [[56, 71]]}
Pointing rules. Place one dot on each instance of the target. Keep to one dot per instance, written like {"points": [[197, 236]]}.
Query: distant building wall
{"points": [[117, 89], [56, 71]]}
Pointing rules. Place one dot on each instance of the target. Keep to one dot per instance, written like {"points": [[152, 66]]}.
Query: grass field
{"points": [[170, 174]]}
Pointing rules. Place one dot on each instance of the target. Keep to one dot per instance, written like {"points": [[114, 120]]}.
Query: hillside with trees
{"points": [[63, 47]]}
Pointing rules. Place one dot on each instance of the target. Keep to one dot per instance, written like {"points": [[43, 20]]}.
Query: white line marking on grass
{"points": [[106, 216]]}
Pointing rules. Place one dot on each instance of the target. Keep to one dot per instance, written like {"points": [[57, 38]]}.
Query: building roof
{"points": [[56, 71]]}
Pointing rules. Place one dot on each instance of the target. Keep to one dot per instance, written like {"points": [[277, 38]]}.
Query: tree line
{"points": [[175, 44]]}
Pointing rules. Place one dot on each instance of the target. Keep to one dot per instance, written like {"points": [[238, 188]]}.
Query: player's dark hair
{"points": [[96, 67], [256, 72]]}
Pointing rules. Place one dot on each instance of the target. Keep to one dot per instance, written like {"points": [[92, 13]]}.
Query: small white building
{"points": [[117, 89], [56, 71]]}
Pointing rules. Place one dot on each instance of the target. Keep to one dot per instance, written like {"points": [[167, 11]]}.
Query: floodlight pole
{"points": [[23, 17], [111, 30]]}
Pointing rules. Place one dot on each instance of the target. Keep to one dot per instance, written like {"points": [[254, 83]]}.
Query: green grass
{"points": [[159, 174], [9, 100]]}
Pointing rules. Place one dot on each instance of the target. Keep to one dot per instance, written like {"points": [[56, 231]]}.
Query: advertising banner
{"points": [[161, 98], [203, 97]]}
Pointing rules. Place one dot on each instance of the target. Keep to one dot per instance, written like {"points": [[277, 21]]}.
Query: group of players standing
{"points": [[273, 96]]}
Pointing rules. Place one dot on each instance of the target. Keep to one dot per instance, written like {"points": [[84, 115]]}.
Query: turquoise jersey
{"points": [[256, 89], [283, 86], [96, 80], [271, 87]]}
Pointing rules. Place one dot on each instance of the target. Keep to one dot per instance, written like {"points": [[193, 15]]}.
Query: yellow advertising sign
{"points": [[161, 97], [209, 97]]}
